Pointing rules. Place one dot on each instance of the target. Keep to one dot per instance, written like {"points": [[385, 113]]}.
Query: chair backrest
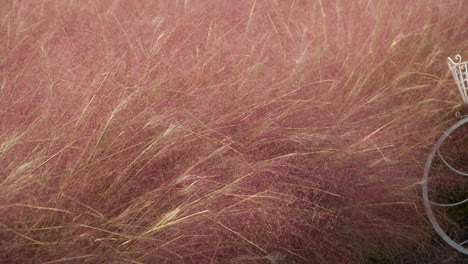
{"points": [[459, 71]]}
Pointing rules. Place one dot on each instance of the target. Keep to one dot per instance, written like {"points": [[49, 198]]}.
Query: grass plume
{"points": [[215, 131]]}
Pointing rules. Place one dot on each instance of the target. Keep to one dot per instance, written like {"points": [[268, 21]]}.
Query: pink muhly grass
{"points": [[221, 131]]}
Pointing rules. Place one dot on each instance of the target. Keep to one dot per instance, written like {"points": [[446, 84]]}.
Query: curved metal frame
{"points": [[428, 203]]}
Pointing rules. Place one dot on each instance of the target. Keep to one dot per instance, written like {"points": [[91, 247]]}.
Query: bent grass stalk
{"points": [[218, 132]]}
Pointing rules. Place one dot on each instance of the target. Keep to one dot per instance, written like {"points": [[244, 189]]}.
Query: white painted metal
{"points": [[428, 203], [459, 71]]}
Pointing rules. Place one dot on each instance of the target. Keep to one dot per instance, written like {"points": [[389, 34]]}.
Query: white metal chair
{"points": [[460, 74]]}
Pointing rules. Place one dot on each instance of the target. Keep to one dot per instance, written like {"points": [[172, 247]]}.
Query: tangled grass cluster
{"points": [[250, 131]]}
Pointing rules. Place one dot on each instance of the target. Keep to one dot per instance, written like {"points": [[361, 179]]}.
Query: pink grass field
{"points": [[217, 131]]}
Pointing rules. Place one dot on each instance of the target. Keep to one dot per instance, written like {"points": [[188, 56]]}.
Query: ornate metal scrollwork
{"points": [[459, 71]]}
